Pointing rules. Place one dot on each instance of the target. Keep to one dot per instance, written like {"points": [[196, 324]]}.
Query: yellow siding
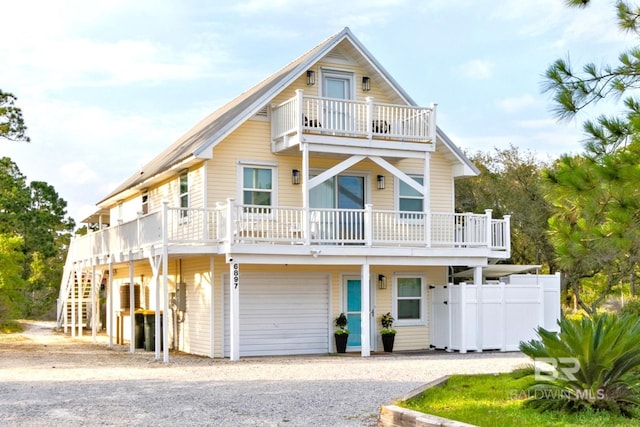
{"points": [[194, 332]]}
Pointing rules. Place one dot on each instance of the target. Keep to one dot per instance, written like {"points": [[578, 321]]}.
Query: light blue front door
{"points": [[353, 306]]}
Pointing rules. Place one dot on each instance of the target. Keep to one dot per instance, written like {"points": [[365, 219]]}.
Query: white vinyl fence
{"points": [[469, 317]]}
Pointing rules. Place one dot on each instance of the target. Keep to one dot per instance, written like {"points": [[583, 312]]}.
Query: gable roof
{"points": [[198, 142]]}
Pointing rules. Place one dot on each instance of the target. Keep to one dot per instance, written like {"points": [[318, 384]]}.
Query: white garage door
{"points": [[281, 314]]}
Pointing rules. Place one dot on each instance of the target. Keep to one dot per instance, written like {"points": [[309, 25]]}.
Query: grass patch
{"points": [[10, 327], [496, 400]]}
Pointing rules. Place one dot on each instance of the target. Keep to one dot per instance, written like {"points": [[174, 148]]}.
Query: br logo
{"points": [[565, 365]]}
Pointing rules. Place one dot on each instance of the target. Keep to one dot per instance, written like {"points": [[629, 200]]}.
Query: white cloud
{"points": [[477, 69], [77, 173], [517, 104]]}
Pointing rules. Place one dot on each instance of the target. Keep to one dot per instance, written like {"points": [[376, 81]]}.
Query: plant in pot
{"points": [[342, 333], [388, 334]]}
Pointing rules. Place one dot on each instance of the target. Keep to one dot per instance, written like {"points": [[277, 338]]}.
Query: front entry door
{"points": [[353, 310]]}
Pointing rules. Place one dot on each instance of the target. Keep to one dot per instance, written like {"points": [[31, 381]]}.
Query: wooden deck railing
{"points": [[353, 118]]}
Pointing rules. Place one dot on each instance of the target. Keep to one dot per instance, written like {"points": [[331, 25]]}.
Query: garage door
{"points": [[281, 314]]}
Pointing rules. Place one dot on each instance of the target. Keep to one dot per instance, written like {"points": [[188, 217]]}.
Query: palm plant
{"points": [[599, 365]]}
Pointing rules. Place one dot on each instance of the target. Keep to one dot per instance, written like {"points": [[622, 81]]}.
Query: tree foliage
{"points": [[12, 125], [36, 215], [510, 184], [595, 195], [11, 280]]}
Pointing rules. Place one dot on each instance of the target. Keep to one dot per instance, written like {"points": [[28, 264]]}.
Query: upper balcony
{"points": [[322, 118], [230, 227]]}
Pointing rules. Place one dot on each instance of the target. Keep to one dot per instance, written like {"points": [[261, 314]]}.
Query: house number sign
{"points": [[236, 275]]}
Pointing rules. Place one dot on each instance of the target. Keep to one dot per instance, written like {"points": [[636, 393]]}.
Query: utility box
{"points": [[181, 296]]}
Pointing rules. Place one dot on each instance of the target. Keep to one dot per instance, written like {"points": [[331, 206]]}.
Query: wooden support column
{"points": [[234, 310], [365, 311]]}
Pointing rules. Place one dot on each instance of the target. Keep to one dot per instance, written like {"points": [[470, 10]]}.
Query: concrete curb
{"points": [[395, 416]]}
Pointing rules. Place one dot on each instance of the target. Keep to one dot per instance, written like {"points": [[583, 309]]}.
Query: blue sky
{"points": [[105, 85]]}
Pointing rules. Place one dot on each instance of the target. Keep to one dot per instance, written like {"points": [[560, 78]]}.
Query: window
{"points": [[184, 193], [409, 300], [257, 186], [145, 203], [410, 200]]}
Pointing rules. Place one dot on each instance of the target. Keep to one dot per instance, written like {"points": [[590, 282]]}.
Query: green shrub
{"points": [[598, 361], [632, 307]]}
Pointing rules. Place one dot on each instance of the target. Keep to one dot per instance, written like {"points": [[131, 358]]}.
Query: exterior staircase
{"points": [[75, 287]]}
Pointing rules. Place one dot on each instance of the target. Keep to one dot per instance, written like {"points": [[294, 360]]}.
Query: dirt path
{"points": [[47, 378]]}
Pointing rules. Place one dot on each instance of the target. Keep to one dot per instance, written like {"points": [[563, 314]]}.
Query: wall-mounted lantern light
{"points": [[295, 177], [366, 84], [380, 182], [311, 77], [382, 281]]}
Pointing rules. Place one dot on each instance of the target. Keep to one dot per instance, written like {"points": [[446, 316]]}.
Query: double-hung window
{"points": [[258, 186], [410, 201], [183, 189], [409, 300]]}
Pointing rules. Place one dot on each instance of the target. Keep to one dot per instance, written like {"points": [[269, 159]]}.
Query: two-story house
{"points": [[322, 189]]}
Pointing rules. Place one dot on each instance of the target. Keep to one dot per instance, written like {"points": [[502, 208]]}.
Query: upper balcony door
{"points": [[345, 192], [337, 85]]}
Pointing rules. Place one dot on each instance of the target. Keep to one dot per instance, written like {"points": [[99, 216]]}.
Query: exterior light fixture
{"points": [[295, 177], [366, 84], [382, 281], [311, 77], [380, 182]]}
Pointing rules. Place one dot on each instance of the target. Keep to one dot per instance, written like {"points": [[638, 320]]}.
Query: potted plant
{"points": [[342, 333], [388, 334]]}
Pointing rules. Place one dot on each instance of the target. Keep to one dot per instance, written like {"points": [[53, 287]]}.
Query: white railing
{"points": [[352, 118], [249, 224]]}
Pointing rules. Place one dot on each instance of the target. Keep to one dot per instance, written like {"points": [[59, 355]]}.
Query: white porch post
{"points": [[81, 283], [489, 231], [365, 310], [369, 126], [368, 225], [165, 282], [212, 312], [477, 280], [94, 302], [110, 301], [463, 317], [426, 182], [132, 305], [155, 261], [234, 311], [75, 283], [426, 206], [306, 213], [507, 232]]}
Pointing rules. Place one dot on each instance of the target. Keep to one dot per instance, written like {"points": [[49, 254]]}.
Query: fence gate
{"points": [[440, 316]]}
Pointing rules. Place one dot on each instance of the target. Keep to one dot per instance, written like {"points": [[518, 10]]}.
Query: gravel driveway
{"points": [[48, 379]]}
